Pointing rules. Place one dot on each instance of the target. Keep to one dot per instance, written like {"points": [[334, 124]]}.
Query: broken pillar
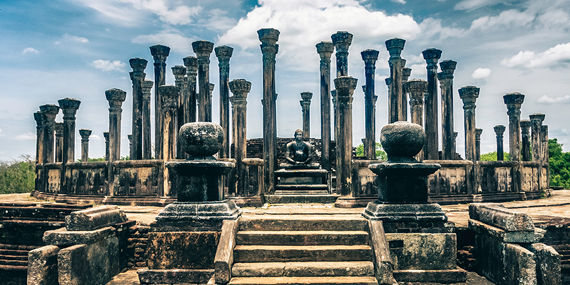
{"points": [[169, 94], [345, 86], [469, 95], [499, 130], [325, 50], [69, 108], [159, 54], [478, 133], [240, 88], [369, 57], [137, 77], [203, 49], [431, 110], [397, 63], [416, 88], [306, 106], [146, 87], [85, 133], [525, 149], [447, 125], [514, 102], [49, 111], [224, 53], [341, 41], [58, 142], [116, 97]]}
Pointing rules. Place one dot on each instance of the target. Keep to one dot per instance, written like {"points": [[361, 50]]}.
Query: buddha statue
{"points": [[298, 153]]}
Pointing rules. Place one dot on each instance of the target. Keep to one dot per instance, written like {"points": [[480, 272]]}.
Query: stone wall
{"points": [[137, 246]]}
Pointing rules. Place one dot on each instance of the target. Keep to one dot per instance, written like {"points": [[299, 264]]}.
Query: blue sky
{"points": [[80, 48]]}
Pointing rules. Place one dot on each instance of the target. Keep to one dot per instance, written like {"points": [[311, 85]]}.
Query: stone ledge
{"points": [[439, 276], [504, 236], [64, 237], [498, 216], [175, 276], [94, 218]]}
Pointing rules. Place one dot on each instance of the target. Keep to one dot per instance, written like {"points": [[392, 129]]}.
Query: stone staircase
{"points": [[280, 250]]}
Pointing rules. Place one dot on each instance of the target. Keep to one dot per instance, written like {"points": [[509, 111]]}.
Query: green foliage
{"points": [[559, 164], [380, 153], [492, 156], [18, 176]]}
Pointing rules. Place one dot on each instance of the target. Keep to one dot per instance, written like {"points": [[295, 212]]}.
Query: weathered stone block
{"points": [[513, 237], [182, 250], [42, 265], [95, 218], [177, 276], [498, 216], [437, 276], [421, 251], [64, 237], [548, 266]]}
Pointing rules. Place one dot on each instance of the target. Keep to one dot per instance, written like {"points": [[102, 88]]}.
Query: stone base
{"points": [[255, 201], [436, 276], [404, 212], [196, 216], [176, 276], [353, 202], [182, 250]]}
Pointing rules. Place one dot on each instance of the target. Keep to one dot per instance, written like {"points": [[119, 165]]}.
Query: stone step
{"points": [[302, 238], [303, 269], [13, 267], [13, 262], [13, 252], [333, 280], [301, 192], [13, 257], [269, 253], [290, 199], [301, 187], [17, 246], [302, 222]]}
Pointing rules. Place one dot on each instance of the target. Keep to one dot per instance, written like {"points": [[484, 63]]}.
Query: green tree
{"points": [[492, 156], [380, 153], [18, 176]]}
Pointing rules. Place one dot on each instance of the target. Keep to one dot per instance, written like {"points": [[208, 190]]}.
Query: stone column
{"points": [[455, 144], [536, 123], [369, 56], [545, 155], [306, 106], [39, 117], [49, 111], [224, 53], [395, 47], [179, 73], [116, 97], [106, 136], [130, 138], [137, 77], [341, 41], [69, 107], [146, 86], [514, 102], [269, 48], [447, 125], [416, 88], [388, 82], [499, 130], [478, 133], [345, 86], [469, 95], [203, 49], [85, 133], [431, 122], [191, 64], [159, 53], [240, 88], [525, 127], [325, 50], [170, 96], [406, 72], [58, 142]]}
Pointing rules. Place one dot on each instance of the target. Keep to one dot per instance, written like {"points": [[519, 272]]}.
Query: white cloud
{"points": [[481, 73], [431, 27], [399, 1], [107, 65], [171, 38], [26, 136], [69, 38], [509, 18], [474, 4], [2, 134], [557, 55], [544, 99], [94, 137], [30, 50]]}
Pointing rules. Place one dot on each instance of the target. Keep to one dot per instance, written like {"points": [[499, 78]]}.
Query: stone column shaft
{"points": [[341, 41], [345, 86], [224, 53], [116, 97], [406, 72], [306, 106], [179, 73], [240, 88], [469, 95], [447, 125], [84, 133], [130, 138], [49, 111], [499, 130], [137, 77], [69, 107], [170, 96], [40, 118], [159, 53], [478, 133], [146, 87], [525, 126], [514, 102], [58, 142], [431, 110], [191, 64], [395, 47], [106, 136], [545, 155], [416, 88], [203, 49], [388, 82], [325, 50], [536, 123], [369, 56]]}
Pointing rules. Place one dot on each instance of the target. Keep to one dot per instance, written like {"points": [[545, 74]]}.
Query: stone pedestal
{"points": [[203, 49], [369, 56], [69, 108], [469, 95], [396, 111], [224, 53], [49, 112], [240, 88], [137, 77], [525, 127], [84, 133], [447, 125], [499, 130], [341, 41], [146, 87], [116, 97], [306, 106], [325, 50], [345, 86], [159, 54], [431, 110]]}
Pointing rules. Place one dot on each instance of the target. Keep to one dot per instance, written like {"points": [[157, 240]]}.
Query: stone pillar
{"points": [[191, 64], [179, 73], [240, 88], [159, 53], [455, 144], [203, 49], [137, 77], [447, 125], [325, 50], [269, 48], [478, 133], [499, 130], [58, 142], [525, 127], [69, 107], [85, 133], [395, 47], [106, 136], [536, 123], [39, 117], [369, 56], [406, 72], [345, 86], [116, 97], [388, 82], [170, 96], [469, 95], [130, 138], [146, 86], [514, 102], [545, 155], [416, 88], [306, 106], [341, 41], [431, 122], [224, 53], [49, 111]]}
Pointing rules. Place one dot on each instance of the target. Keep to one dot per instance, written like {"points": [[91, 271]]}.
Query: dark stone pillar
{"points": [[335, 127], [469, 95], [116, 97], [514, 102], [388, 82], [170, 96], [240, 88], [191, 64], [536, 123], [179, 73], [416, 88], [159, 53], [478, 133], [306, 106], [545, 155], [130, 138], [224, 53], [341, 41], [431, 122], [395, 47], [146, 86], [137, 77], [406, 72], [446, 83], [499, 130], [325, 50], [39, 117], [455, 144], [69, 107], [345, 86], [369, 56], [106, 136], [49, 111], [84, 133], [269, 48], [58, 142], [203, 49], [525, 127]]}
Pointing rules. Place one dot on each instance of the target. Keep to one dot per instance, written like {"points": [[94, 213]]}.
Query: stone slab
{"points": [[498, 216], [94, 218], [176, 276], [182, 250], [404, 212], [437, 276], [504, 236], [289, 199], [63, 237], [42, 265], [548, 264], [421, 251]]}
